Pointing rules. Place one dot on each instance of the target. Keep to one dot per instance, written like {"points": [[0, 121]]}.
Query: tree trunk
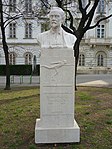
{"points": [[76, 55], [5, 48]]}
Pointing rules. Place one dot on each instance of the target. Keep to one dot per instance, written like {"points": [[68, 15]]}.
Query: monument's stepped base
{"points": [[57, 135], [57, 124]]}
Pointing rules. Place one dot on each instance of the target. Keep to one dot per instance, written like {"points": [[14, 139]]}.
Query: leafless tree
{"points": [[11, 12], [6, 17], [87, 12]]}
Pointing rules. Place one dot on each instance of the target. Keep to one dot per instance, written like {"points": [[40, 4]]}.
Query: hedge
{"points": [[20, 70]]}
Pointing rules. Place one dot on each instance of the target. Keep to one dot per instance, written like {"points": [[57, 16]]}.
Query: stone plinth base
{"points": [[56, 135]]}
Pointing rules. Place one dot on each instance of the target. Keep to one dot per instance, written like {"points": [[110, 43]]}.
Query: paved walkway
{"points": [[34, 81], [99, 80], [97, 83], [21, 81]]}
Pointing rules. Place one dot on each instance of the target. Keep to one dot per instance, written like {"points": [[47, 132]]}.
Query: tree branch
{"points": [[88, 5], [102, 19], [60, 3], [71, 21], [11, 20], [90, 15], [67, 29], [46, 4], [80, 6], [93, 8]]}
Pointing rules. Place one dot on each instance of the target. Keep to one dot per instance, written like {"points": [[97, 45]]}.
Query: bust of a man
{"points": [[56, 36]]}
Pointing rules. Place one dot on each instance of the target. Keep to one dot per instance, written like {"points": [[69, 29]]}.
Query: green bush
{"points": [[2, 69], [20, 70], [36, 71]]}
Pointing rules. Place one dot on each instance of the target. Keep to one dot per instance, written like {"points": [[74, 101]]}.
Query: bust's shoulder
{"points": [[42, 37]]}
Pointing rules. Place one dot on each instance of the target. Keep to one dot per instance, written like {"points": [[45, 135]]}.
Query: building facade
{"points": [[21, 34], [95, 48]]}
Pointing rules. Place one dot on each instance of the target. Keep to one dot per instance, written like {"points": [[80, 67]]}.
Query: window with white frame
{"points": [[28, 58], [12, 5], [101, 6], [81, 60], [12, 30], [101, 31], [28, 6], [28, 30], [12, 58]]}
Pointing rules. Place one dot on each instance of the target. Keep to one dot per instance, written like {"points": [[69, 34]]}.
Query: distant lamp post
{"points": [[34, 65]]}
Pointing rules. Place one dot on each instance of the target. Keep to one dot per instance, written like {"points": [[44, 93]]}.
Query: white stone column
{"points": [[56, 123]]}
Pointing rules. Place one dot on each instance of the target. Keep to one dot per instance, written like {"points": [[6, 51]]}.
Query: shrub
{"points": [[20, 70]]}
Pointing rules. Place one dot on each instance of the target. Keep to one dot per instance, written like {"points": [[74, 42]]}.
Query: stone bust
{"points": [[56, 36]]}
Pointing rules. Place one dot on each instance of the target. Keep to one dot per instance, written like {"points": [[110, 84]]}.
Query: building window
{"points": [[101, 31], [28, 58], [28, 30], [101, 6], [81, 60], [12, 58], [12, 5], [28, 6], [101, 59], [12, 30]]}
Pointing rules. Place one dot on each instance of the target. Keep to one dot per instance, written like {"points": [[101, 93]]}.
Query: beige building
{"points": [[95, 48]]}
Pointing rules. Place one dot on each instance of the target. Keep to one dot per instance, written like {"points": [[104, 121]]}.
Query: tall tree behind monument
{"points": [[8, 13], [87, 10]]}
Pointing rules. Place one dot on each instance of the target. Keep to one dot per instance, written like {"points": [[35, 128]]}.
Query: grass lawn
{"points": [[20, 107]]}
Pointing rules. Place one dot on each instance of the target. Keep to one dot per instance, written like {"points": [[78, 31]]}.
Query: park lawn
{"points": [[20, 107]]}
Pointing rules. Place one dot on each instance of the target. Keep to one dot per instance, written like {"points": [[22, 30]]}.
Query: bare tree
{"points": [[87, 12], [6, 17], [11, 12]]}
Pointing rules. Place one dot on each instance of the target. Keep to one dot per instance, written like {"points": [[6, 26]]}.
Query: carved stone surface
{"points": [[56, 123]]}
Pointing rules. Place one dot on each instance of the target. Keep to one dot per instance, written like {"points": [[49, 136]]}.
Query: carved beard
{"points": [[55, 24]]}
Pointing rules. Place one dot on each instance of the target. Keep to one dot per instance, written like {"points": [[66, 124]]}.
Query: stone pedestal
{"points": [[56, 123]]}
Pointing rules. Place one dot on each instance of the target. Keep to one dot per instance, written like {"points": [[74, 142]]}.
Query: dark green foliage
{"points": [[20, 70]]}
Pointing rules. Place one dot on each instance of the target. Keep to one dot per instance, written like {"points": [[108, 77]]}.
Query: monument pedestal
{"points": [[56, 123], [56, 135]]}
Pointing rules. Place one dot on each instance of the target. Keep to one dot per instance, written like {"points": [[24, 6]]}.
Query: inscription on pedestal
{"points": [[57, 96], [56, 105]]}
